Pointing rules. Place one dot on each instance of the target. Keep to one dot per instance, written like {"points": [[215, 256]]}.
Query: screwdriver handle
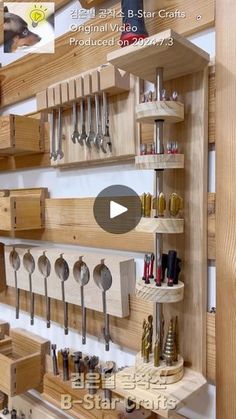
{"points": [[133, 20]]}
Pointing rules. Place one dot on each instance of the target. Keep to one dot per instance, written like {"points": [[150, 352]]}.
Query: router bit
{"points": [[107, 371], [54, 360], [171, 267], [175, 204], [91, 364], [65, 358]]}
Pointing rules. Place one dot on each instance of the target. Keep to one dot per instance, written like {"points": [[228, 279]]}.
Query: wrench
{"points": [[76, 135], [83, 135], [99, 135], [60, 153], [53, 136], [91, 136], [106, 142]]}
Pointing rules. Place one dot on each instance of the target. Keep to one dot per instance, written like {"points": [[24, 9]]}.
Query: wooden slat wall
{"points": [[226, 209], [63, 225], [70, 61], [58, 5]]}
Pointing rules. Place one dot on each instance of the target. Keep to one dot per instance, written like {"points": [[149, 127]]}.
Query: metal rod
{"points": [[158, 188]]}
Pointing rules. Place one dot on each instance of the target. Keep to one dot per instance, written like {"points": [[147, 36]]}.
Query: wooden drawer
{"points": [[22, 362], [20, 135], [22, 209]]}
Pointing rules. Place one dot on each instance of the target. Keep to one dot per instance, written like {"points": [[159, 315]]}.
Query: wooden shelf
{"points": [[180, 59], [161, 225], [21, 354], [179, 392], [163, 294], [168, 111], [20, 135], [160, 161], [22, 209]]}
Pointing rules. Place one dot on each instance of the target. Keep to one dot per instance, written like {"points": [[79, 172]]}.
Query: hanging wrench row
{"points": [[99, 137]]}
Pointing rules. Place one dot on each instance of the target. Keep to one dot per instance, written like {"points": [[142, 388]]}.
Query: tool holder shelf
{"points": [[22, 209], [22, 353], [170, 58], [20, 135], [122, 271], [119, 89]]}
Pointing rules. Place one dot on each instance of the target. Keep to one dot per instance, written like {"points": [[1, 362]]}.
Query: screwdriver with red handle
{"points": [[133, 20]]}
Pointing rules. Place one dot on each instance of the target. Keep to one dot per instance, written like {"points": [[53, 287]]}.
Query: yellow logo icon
{"points": [[37, 15]]}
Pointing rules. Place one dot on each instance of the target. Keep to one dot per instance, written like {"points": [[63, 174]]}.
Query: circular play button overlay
{"points": [[117, 209]]}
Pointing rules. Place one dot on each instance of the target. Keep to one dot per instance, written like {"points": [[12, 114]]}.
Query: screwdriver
{"points": [[171, 267]]}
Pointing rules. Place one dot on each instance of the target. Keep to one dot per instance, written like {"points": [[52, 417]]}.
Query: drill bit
{"points": [[54, 360], [65, 357]]}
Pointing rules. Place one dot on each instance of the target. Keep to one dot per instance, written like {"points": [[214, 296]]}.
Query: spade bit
{"points": [[63, 272], [60, 153], [99, 134], [53, 155], [29, 264], [82, 276], [103, 280], [91, 136], [44, 267], [76, 135], [15, 263]]}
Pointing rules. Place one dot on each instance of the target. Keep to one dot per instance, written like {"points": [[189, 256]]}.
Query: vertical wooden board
{"points": [[28, 374], [211, 346], [225, 209], [6, 213], [192, 246], [6, 374]]}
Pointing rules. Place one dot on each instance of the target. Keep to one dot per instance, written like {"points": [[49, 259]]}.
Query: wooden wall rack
{"points": [[86, 95], [20, 135], [122, 270], [22, 209], [188, 77], [22, 362]]}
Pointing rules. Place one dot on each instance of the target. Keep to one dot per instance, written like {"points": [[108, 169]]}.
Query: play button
{"points": [[117, 209]]}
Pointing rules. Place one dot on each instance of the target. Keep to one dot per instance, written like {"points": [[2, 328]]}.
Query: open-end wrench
{"points": [[76, 135], [99, 134], [91, 136], [83, 136], [60, 153], [106, 142], [53, 155]]}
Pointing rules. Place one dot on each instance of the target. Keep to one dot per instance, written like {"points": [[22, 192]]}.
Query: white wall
{"points": [[81, 183]]}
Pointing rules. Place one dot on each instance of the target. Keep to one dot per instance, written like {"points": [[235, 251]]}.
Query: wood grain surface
{"points": [[70, 61], [211, 346], [225, 209]]}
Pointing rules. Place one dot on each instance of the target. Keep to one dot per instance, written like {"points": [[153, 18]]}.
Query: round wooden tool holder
{"points": [[163, 294], [158, 113], [168, 111], [161, 375]]}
